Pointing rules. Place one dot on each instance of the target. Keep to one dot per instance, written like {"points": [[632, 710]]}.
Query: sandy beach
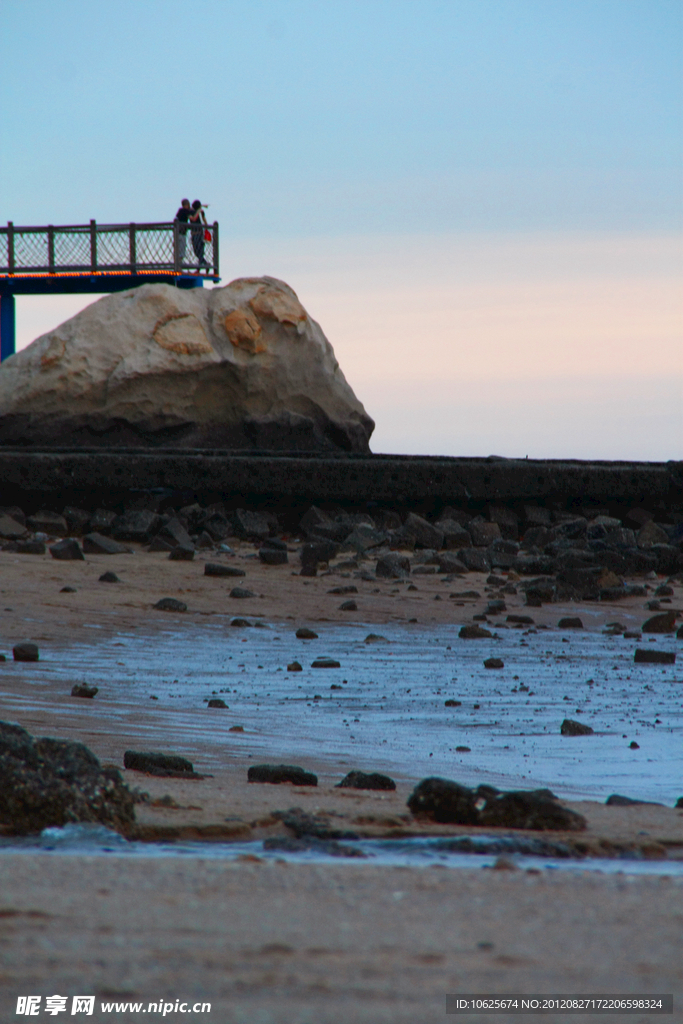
{"points": [[268, 941]]}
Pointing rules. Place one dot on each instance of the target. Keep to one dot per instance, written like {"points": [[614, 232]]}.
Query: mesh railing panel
{"points": [[70, 249]]}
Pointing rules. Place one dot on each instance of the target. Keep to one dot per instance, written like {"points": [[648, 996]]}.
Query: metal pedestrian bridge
{"points": [[98, 258]]}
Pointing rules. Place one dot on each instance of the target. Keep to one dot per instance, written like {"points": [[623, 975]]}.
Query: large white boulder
{"points": [[237, 367]]}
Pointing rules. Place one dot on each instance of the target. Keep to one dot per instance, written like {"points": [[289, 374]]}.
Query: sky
{"points": [[479, 200]]}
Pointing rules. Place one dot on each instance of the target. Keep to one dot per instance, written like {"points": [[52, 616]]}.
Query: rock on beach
{"points": [[242, 366]]}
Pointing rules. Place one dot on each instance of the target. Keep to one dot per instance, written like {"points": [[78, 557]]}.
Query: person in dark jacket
{"points": [[183, 215], [198, 222]]}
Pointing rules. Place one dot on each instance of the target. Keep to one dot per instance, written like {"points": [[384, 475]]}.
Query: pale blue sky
{"points": [[301, 117], [479, 200]]}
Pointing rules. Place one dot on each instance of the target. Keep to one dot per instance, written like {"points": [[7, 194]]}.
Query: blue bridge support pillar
{"points": [[7, 325]]}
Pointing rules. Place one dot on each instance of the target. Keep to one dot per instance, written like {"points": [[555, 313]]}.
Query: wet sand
{"points": [[291, 942]]}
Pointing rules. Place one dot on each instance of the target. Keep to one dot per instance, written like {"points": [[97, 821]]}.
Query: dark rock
{"points": [[182, 554], [508, 521], [10, 529], [68, 590], [273, 556], [540, 591], [363, 537], [14, 512], [241, 593], [456, 515], [634, 746], [426, 535], [239, 623], [571, 728], [279, 773], [98, 544], [392, 566], [314, 518], [204, 541], [669, 558], [664, 623], [452, 703], [375, 638], [534, 565], [294, 666], [570, 622], [193, 516], [303, 824], [495, 607], [664, 590], [216, 702], [50, 783], [275, 542], [67, 550], [364, 780], [450, 563], [626, 801], [444, 801], [348, 606], [214, 569], [679, 633], [651, 533], [474, 633], [312, 554], [455, 536], [475, 559], [159, 544], [136, 524], [154, 762], [483, 533], [530, 810], [615, 537], [343, 590], [571, 529], [216, 525], [170, 604], [536, 537], [102, 521], [252, 525], [25, 651], [83, 690], [175, 534], [463, 750], [29, 547], [50, 523], [523, 620], [494, 663], [325, 663], [650, 656], [679, 802], [109, 577], [637, 517], [304, 633]]}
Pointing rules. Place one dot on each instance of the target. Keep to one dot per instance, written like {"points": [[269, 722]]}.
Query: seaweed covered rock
{"points": [[51, 782]]}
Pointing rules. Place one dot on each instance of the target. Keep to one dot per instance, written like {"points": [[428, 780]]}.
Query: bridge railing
{"points": [[98, 248]]}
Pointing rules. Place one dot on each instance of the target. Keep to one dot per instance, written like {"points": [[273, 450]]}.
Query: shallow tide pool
{"points": [[384, 707]]}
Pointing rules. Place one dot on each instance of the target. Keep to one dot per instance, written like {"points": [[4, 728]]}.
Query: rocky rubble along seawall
{"points": [[242, 366], [550, 554]]}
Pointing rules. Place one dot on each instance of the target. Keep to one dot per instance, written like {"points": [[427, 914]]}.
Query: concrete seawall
{"points": [[91, 477]]}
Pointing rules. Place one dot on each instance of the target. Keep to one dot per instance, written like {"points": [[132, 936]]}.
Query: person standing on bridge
{"points": [[183, 215], [198, 222]]}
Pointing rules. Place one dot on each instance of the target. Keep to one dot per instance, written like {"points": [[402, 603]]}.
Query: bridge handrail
{"points": [[96, 248]]}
